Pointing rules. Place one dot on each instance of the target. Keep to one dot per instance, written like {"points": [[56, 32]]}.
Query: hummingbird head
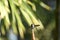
{"points": [[33, 26]]}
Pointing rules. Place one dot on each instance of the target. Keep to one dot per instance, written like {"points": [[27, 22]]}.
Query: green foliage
{"points": [[18, 15]]}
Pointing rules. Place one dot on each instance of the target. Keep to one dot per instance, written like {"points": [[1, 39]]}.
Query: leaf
{"points": [[2, 30], [45, 6]]}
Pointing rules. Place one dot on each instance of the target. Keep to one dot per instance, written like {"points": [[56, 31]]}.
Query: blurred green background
{"points": [[16, 17]]}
